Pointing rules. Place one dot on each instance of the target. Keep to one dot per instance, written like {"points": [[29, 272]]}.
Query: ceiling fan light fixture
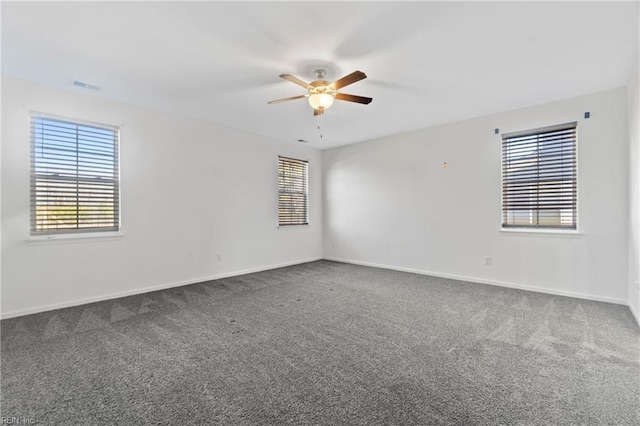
{"points": [[322, 93], [320, 100]]}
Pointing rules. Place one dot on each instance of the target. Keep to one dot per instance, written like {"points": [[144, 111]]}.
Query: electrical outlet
{"points": [[487, 261], [219, 258], [333, 245]]}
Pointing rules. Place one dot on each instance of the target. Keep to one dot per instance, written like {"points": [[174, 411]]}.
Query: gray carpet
{"points": [[329, 344]]}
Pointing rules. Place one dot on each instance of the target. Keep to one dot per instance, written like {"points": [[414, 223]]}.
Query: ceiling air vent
{"points": [[84, 85]]}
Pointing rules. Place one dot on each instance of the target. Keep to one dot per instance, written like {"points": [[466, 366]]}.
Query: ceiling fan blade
{"points": [[295, 80], [277, 101], [353, 98], [348, 79], [318, 111]]}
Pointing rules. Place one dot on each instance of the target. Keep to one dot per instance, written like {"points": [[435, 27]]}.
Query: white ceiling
{"points": [[427, 62]]}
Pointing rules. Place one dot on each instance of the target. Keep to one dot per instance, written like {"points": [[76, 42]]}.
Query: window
{"points": [[539, 178], [74, 177], [293, 196]]}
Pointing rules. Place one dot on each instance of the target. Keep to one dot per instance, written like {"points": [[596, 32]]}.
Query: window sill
{"points": [[89, 237], [542, 232]]}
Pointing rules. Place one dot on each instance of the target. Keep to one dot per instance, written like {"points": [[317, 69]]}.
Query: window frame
{"points": [[289, 220], [78, 231], [537, 228]]}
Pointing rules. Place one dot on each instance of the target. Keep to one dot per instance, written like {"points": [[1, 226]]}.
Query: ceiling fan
{"points": [[321, 93]]}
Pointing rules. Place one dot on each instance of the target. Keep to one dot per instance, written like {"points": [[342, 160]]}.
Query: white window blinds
{"points": [[74, 177], [293, 196], [539, 178]]}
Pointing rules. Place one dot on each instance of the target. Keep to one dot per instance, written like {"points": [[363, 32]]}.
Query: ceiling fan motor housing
{"points": [[321, 86]]}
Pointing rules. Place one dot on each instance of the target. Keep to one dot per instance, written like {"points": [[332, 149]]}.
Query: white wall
{"points": [[634, 194], [190, 191], [389, 202]]}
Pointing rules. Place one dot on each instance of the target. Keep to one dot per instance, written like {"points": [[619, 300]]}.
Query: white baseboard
{"points": [[78, 302], [635, 314], [485, 281]]}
